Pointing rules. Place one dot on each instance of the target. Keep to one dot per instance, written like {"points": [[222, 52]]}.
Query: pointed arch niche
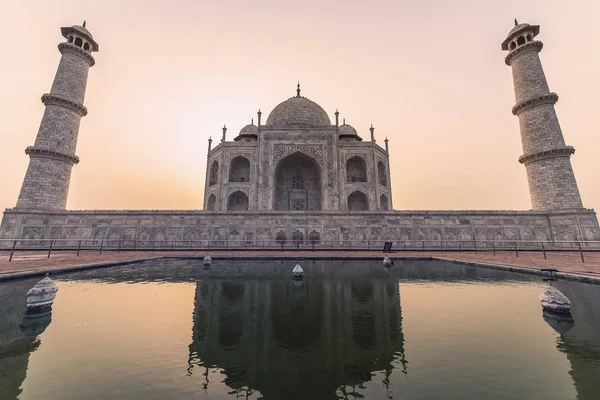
{"points": [[298, 183]]}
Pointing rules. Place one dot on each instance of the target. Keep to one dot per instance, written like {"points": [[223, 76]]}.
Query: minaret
{"points": [[47, 179], [552, 184]]}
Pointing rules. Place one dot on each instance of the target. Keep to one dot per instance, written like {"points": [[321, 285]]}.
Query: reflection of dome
{"points": [[298, 111]]}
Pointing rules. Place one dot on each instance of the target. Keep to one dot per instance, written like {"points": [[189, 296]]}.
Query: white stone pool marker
{"points": [[207, 260], [41, 296], [554, 300], [387, 262], [298, 272]]}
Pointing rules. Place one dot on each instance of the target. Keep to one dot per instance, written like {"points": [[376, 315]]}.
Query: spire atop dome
{"points": [[516, 22], [298, 90], [83, 23]]}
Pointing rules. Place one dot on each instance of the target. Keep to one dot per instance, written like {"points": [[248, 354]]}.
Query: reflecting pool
{"points": [[171, 329]]}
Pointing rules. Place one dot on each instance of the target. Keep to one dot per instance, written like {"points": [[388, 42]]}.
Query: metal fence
{"points": [[118, 245]]}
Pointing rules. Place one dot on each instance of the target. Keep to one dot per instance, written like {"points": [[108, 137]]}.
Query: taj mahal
{"points": [[298, 161], [301, 175]]}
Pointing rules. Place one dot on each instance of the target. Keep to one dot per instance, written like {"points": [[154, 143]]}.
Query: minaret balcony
{"points": [[550, 98], [55, 100], [566, 151], [35, 151], [526, 48]]}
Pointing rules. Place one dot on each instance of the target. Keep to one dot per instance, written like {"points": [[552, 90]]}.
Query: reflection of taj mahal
{"points": [[322, 337], [298, 161]]}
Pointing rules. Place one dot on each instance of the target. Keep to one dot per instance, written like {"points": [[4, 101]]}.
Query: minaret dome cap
{"points": [[517, 29], [66, 30]]}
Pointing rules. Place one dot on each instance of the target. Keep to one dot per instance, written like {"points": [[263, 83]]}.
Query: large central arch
{"points": [[298, 183]]}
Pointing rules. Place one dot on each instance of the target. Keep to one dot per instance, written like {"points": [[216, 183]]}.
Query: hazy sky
{"points": [[429, 75]]}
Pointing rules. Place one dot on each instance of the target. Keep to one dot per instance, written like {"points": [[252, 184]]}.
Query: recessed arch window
{"points": [[86, 46], [383, 202], [513, 45], [382, 173], [211, 204], [358, 201], [239, 170], [356, 169], [78, 42], [521, 40], [237, 201], [213, 176]]}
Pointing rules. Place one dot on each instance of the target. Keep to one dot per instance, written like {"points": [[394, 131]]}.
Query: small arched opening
{"points": [[358, 201], [86, 46], [513, 45], [297, 237], [281, 237], [211, 204], [383, 202], [78, 42], [382, 173], [213, 176], [315, 237], [356, 169], [239, 170], [237, 201], [521, 40]]}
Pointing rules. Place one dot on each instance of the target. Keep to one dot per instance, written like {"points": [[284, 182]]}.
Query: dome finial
{"points": [[252, 121], [298, 90], [344, 121], [516, 22], [84, 23]]}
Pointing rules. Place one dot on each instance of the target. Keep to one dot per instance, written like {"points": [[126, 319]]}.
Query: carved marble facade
{"points": [[253, 227]]}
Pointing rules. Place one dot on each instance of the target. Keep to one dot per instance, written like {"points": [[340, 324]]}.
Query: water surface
{"points": [[423, 330]]}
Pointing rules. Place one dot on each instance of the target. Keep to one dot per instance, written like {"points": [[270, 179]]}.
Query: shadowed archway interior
{"points": [[298, 183]]}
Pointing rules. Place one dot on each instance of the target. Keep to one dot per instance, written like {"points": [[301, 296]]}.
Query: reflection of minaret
{"points": [[16, 341], [268, 335], [581, 343]]}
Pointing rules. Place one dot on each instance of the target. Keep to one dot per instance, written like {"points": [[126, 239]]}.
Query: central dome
{"points": [[298, 111]]}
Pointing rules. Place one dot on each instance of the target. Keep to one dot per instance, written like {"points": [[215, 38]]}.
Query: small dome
{"points": [[347, 130], [298, 111], [249, 130], [517, 28], [248, 133], [83, 31]]}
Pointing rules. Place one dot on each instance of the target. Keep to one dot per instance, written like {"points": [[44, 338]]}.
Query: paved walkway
{"points": [[567, 262]]}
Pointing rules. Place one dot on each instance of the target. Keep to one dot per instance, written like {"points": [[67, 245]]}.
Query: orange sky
{"points": [[428, 74]]}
